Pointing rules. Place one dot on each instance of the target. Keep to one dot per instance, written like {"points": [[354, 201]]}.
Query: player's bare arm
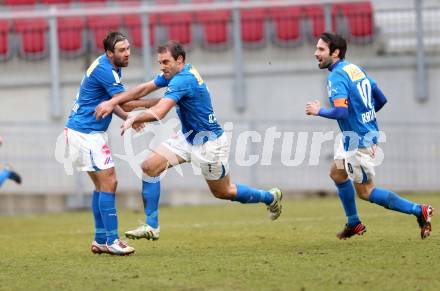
{"points": [[157, 112], [141, 90], [140, 103], [120, 112]]}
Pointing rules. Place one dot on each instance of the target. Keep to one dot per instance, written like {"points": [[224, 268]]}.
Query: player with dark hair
{"points": [[355, 98], [201, 139], [86, 140]]}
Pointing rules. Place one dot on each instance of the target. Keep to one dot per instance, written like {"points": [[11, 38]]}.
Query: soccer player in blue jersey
{"points": [[86, 140], [7, 173], [201, 139], [355, 98]]}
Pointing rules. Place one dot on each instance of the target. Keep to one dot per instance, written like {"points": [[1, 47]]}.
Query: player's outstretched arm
{"points": [[140, 103], [157, 112], [120, 113], [106, 107]]}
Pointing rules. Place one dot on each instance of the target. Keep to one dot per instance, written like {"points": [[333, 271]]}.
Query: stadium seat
{"points": [[252, 26], [100, 26], [177, 25], [133, 24], [5, 47], [51, 2], [91, 1], [32, 35], [71, 32], [20, 2], [287, 25], [315, 15], [359, 19], [215, 26]]}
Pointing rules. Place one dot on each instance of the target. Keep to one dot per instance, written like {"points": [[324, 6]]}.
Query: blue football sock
{"points": [[393, 201], [100, 236], [107, 206], [347, 195], [247, 194], [150, 197], [3, 176]]}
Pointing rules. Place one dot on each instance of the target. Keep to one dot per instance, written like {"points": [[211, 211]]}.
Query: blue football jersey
{"points": [[100, 82], [193, 104], [350, 86]]}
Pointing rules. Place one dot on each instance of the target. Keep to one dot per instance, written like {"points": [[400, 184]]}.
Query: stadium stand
{"points": [[358, 20], [177, 25], [100, 25], [252, 26], [32, 37], [20, 2], [5, 47], [215, 26], [71, 35], [286, 25], [51, 2]]}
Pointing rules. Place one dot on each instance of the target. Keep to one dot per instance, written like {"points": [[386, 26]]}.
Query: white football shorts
{"points": [[359, 164], [212, 157], [88, 152]]}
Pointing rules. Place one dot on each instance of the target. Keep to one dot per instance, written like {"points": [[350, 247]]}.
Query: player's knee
{"points": [[110, 184], [150, 170], [338, 176], [364, 195]]}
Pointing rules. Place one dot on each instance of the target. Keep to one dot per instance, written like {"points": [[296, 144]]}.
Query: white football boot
{"points": [[144, 231], [275, 207], [120, 248]]}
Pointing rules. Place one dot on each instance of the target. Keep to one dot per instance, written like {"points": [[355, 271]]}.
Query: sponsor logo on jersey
{"points": [[354, 72]]}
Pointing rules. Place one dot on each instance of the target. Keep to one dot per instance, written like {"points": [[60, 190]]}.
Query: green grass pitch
{"points": [[226, 247]]}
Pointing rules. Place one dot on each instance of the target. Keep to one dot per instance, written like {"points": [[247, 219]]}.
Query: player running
{"points": [[355, 98], [201, 139]]}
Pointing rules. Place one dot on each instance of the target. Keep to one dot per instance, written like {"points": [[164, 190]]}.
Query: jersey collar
{"points": [[334, 65]]}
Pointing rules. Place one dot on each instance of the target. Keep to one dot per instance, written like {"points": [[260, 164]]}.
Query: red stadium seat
{"points": [[287, 24], [252, 25], [5, 49], [91, 1], [215, 25], [71, 35], [133, 24], [101, 25], [51, 2], [178, 25], [20, 2], [359, 18], [315, 14], [32, 35]]}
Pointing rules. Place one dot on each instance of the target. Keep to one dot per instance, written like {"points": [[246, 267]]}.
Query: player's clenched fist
{"points": [[312, 108]]}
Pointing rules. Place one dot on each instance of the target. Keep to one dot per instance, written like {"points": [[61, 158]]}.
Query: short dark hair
{"points": [[112, 39], [174, 47], [334, 42]]}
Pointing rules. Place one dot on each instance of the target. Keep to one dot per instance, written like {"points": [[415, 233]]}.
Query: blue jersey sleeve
{"points": [[337, 87], [160, 81], [110, 80], [176, 89]]}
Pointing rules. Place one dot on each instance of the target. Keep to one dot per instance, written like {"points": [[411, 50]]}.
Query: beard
{"points": [[325, 63], [121, 62]]}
